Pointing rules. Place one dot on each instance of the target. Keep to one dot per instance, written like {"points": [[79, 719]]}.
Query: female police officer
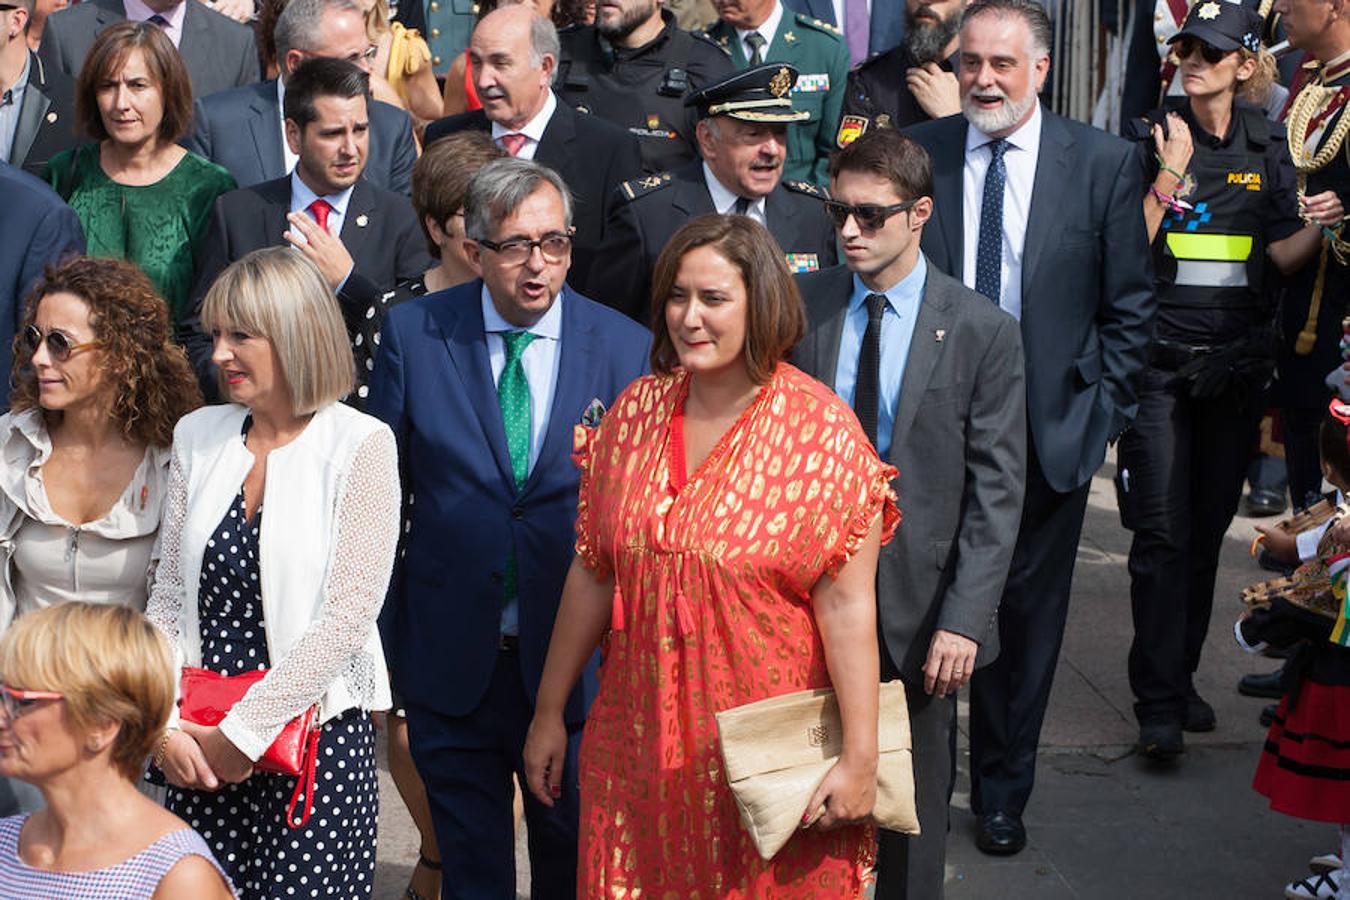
{"points": [[1222, 203]]}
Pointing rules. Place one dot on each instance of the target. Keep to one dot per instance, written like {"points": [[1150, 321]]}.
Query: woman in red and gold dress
{"points": [[730, 518]]}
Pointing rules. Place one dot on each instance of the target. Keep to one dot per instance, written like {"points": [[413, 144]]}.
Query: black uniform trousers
{"points": [[1186, 460], [1008, 697]]}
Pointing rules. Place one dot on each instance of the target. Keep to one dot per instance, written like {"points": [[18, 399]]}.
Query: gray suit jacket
{"points": [[219, 52], [959, 443], [241, 130]]}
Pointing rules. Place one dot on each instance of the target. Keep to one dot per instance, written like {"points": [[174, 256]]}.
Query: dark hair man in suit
{"points": [[514, 53], [483, 385], [1042, 215], [242, 129], [37, 104], [934, 371], [219, 52], [364, 239]]}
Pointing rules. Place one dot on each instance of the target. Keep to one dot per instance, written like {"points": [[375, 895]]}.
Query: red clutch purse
{"points": [[206, 697]]}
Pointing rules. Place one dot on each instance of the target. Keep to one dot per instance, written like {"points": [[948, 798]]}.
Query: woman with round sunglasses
{"points": [[138, 194], [85, 691], [1224, 219], [98, 385]]}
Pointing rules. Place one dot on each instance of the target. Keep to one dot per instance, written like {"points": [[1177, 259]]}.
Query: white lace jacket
{"points": [[331, 503]]}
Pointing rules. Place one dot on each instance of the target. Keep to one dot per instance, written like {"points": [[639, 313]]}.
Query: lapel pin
{"points": [[362, 220], [939, 335], [51, 117]]}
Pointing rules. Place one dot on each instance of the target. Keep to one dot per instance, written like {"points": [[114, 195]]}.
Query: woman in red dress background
{"points": [[730, 518]]}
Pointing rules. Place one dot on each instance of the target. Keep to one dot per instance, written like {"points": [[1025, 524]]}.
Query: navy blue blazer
{"points": [[433, 385], [1087, 284], [37, 229], [887, 22]]}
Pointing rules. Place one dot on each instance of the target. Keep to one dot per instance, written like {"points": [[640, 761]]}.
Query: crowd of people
{"points": [[598, 374]]}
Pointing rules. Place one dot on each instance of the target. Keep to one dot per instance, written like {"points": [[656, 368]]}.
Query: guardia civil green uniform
{"points": [[818, 52], [445, 24]]}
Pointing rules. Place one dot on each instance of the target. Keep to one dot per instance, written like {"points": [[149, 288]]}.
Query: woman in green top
{"points": [[139, 195]]}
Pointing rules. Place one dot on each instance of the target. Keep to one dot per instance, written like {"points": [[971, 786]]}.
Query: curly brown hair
{"points": [[153, 384]]}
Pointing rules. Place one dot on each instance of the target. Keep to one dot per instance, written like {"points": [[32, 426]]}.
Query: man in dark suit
{"points": [[514, 54], [885, 22], [1042, 215], [911, 83], [934, 371], [483, 385], [37, 104], [363, 238], [741, 134], [242, 129], [37, 229], [220, 53]]}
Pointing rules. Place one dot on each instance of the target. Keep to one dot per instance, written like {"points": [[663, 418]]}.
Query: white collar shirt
{"points": [[533, 129], [1020, 163], [767, 29], [724, 200], [288, 156], [137, 11]]}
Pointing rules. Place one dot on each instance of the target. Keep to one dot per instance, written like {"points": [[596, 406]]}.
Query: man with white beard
{"points": [[633, 67], [1042, 215], [912, 83]]}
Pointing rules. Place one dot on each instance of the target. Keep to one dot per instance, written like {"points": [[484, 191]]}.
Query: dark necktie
{"points": [[867, 385], [989, 255], [742, 206], [159, 20], [756, 42], [7, 97]]}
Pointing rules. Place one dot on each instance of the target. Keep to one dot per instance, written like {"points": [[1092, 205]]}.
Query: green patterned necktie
{"points": [[513, 393]]}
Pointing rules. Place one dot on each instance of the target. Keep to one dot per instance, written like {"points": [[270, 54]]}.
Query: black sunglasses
{"points": [[58, 343], [1188, 45], [869, 216]]}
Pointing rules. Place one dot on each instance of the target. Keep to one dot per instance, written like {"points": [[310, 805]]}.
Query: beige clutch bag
{"points": [[777, 752]]}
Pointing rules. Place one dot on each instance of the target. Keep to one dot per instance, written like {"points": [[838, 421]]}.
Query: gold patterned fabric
{"points": [[712, 609]]}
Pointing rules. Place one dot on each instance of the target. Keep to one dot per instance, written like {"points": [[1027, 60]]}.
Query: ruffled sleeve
{"points": [[875, 496], [588, 546]]}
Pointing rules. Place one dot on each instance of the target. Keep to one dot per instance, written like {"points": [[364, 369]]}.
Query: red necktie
{"points": [[513, 143], [320, 209]]}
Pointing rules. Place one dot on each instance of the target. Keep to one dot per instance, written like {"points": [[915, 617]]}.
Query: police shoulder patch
{"points": [[638, 187], [824, 27], [806, 187]]}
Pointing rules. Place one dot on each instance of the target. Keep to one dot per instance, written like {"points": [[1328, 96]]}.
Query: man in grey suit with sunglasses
{"points": [[934, 372]]}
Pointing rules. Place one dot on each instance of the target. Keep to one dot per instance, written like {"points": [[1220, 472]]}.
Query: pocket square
{"points": [[595, 411]]}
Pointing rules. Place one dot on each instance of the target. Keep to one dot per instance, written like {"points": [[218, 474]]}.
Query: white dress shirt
{"points": [[724, 200], [533, 129], [288, 156], [767, 29], [1020, 161], [539, 359], [137, 11]]}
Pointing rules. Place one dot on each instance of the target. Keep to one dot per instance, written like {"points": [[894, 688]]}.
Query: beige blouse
{"points": [[47, 559]]}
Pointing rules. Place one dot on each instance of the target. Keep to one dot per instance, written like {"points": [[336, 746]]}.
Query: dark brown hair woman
{"points": [[728, 527]]}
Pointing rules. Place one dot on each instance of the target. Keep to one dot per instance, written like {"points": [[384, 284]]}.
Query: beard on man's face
{"points": [[927, 35]]}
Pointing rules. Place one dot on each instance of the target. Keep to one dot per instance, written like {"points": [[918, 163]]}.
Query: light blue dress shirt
{"points": [[302, 197], [897, 330], [9, 112], [540, 361]]}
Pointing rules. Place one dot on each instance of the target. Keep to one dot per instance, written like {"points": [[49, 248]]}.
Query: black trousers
{"points": [[1302, 458], [1008, 697], [1186, 461]]}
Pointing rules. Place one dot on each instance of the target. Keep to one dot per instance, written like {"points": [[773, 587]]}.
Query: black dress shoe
{"points": [[1262, 502], [1000, 834], [1161, 740], [1268, 714], [1199, 714], [1261, 685]]}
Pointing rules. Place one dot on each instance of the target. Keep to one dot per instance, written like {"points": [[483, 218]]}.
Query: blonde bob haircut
{"points": [[111, 664], [278, 294]]}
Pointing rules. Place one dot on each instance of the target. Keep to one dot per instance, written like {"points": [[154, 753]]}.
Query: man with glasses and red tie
{"points": [[934, 372], [363, 238], [514, 53], [484, 385]]}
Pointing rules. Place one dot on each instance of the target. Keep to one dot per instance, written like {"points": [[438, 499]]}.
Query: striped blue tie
{"points": [[989, 255]]}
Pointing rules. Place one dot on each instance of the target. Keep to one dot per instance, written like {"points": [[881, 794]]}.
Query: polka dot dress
{"points": [[333, 854]]}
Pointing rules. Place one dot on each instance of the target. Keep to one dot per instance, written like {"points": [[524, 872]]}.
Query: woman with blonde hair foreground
{"points": [[86, 691], [278, 541]]}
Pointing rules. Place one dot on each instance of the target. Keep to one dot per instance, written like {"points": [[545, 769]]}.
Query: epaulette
{"points": [[638, 187], [722, 44], [833, 31], [806, 187]]}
